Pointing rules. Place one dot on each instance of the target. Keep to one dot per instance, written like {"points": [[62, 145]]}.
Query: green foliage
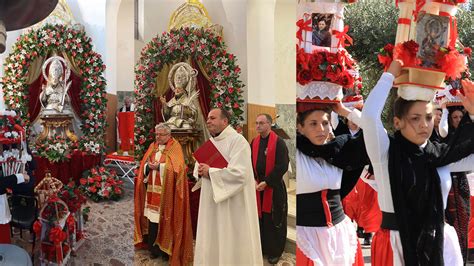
{"points": [[466, 30], [373, 24]]}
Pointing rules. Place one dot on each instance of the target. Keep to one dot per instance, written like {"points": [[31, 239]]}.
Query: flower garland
{"points": [[338, 68], [57, 149], [449, 60], [59, 38], [203, 46], [98, 183]]}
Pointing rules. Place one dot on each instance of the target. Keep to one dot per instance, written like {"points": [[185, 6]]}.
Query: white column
{"points": [[261, 52]]}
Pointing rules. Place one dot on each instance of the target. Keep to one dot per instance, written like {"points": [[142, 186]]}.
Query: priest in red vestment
{"points": [[162, 214]]}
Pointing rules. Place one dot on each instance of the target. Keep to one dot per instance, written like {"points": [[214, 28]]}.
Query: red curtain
{"points": [[63, 171], [202, 86], [35, 89]]}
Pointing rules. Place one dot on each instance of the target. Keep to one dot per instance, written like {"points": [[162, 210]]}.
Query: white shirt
{"points": [[377, 144]]}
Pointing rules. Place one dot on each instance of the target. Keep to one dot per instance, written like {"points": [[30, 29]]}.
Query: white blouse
{"points": [[377, 144]]}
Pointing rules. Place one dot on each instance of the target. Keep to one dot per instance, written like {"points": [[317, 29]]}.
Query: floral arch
{"points": [[205, 49], [22, 69]]}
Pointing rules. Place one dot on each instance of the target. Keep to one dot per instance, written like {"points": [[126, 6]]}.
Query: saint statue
{"points": [[54, 93], [180, 112]]}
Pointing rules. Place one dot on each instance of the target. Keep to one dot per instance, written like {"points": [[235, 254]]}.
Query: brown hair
{"points": [[402, 106], [303, 115]]}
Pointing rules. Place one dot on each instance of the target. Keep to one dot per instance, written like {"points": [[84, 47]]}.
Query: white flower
{"points": [[8, 134]]}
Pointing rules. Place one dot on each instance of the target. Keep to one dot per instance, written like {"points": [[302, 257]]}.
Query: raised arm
{"points": [[443, 124], [375, 135]]}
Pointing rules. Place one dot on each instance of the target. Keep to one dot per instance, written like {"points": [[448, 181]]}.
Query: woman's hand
{"points": [[468, 97], [395, 68], [341, 110]]}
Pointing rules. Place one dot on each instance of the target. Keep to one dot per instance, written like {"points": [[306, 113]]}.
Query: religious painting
{"points": [[321, 24], [431, 34]]}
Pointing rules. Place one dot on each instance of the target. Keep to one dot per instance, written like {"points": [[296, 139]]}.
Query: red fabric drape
{"points": [[63, 171], [126, 124], [35, 88], [204, 89]]}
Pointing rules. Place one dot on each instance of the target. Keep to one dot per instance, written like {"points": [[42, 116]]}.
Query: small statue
{"points": [[54, 93], [180, 112]]}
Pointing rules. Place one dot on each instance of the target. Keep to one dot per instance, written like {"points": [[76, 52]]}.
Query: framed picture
{"points": [[321, 24], [431, 34]]}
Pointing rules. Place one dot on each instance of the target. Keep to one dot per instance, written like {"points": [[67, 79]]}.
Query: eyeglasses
{"points": [[260, 123], [162, 134]]}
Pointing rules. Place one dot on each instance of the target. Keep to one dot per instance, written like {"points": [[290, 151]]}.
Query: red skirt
{"points": [[470, 236], [381, 252], [5, 234], [302, 260], [361, 205]]}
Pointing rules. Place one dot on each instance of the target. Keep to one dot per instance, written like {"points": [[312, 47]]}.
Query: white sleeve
{"points": [[371, 182], [443, 124], [355, 116], [229, 181], [464, 165], [375, 135], [334, 120], [20, 178]]}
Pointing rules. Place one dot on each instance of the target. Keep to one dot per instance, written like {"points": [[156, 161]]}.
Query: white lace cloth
{"points": [[321, 89]]}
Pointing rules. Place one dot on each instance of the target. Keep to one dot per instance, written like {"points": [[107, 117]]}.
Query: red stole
{"points": [[270, 163]]}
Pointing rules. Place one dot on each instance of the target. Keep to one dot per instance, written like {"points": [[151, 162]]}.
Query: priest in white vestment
{"points": [[227, 230]]}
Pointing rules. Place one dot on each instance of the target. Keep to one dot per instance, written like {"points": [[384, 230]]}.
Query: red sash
{"points": [[271, 152]]}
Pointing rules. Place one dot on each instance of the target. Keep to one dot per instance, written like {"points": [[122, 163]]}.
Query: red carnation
{"points": [[304, 77], [37, 227], [332, 73], [332, 58], [317, 73], [468, 51]]}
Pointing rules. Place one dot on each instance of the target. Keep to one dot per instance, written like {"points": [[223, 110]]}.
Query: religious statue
{"points": [[180, 112], [54, 94]]}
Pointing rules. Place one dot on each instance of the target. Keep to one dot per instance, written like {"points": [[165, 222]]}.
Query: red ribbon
{"points": [[419, 6], [453, 27], [406, 21], [342, 36], [302, 26], [56, 235]]}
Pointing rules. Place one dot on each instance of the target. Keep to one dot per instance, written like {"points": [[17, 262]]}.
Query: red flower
{"points": [[388, 48], [316, 60], [468, 51], [57, 235], [347, 80], [106, 193], [93, 189], [304, 77], [117, 190], [317, 73], [332, 58], [333, 73], [37, 227]]}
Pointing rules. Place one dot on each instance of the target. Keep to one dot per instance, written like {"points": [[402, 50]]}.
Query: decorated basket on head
{"points": [[324, 67], [14, 154], [428, 46]]}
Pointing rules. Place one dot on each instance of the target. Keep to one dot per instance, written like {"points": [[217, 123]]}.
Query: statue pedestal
{"points": [[188, 138], [56, 125]]}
